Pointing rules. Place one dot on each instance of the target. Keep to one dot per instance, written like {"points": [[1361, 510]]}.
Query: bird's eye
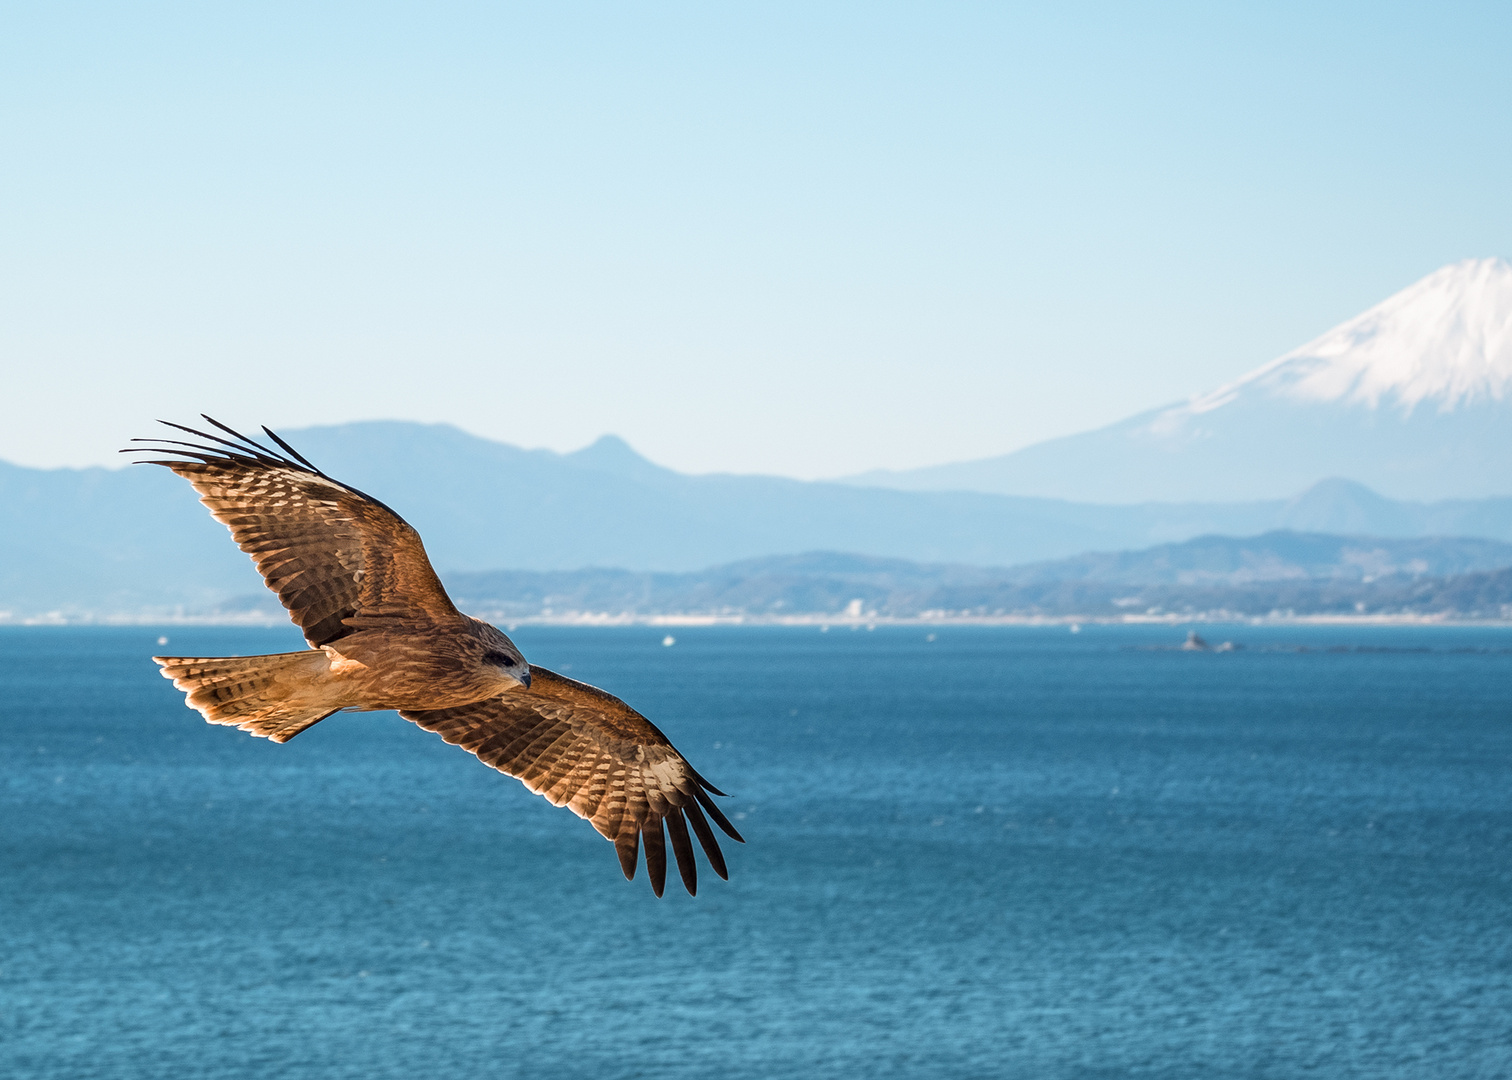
{"points": [[502, 659]]}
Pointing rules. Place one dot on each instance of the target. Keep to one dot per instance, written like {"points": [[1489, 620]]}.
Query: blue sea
{"points": [[1002, 852]]}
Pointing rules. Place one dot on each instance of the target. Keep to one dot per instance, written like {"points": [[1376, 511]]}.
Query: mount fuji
{"points": [[1412, 398]]}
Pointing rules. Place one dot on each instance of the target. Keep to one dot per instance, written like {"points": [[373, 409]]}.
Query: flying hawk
{"points": [[383, 634]]}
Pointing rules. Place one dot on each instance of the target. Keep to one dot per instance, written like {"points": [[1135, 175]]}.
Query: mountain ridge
{"points": [[1206, 576], [134, 540]]}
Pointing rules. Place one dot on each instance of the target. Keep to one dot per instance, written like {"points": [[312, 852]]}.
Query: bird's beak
{"points": [[525, 679]]}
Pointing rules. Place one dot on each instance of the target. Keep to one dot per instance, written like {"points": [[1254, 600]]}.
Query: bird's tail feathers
{"points": [[273, 697]]}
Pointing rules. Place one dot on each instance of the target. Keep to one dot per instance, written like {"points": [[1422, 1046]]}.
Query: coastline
{"points": [[821, 621]]}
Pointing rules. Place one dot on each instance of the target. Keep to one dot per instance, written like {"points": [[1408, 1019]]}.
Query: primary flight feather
{"points": [[383, 634]]}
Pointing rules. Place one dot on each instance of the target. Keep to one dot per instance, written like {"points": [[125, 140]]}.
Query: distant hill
{"points": [[1281, 571], [136, 540], [1412, 398], [1281, 555]]}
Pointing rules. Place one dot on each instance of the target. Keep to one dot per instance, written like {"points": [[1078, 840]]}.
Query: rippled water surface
{"points": [[1001, 853]]}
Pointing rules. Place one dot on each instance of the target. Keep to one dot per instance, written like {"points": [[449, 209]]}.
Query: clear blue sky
{"points": [[796, 238]]}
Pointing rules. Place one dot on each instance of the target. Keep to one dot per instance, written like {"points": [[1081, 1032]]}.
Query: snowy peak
{"points": [[1444, 342], [1412, 398]]}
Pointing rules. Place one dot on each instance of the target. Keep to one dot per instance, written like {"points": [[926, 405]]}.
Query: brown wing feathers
{"points": [[332, 553], [587, 750]]}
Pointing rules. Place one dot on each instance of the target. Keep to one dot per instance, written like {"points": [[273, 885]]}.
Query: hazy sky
{"points": [[796, 238]]}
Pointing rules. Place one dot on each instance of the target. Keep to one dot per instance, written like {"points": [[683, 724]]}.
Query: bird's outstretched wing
{"points": [[338, 559], [589, 751]]}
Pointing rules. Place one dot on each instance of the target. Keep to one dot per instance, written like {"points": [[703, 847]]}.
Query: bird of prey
{"points": [[383, 634]]}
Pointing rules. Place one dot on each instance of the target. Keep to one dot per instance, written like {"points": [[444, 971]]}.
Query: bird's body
{"points": [[434, 666], [384, 635]]}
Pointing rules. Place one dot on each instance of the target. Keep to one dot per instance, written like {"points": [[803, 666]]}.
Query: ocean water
{"points": [[1004, 852]]}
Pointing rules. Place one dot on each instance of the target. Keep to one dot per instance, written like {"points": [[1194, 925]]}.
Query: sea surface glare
{"points": [[1007, 852]]}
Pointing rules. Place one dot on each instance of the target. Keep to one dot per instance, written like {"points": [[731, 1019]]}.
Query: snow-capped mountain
{"points": [[1412, 398], [1441, 343]]}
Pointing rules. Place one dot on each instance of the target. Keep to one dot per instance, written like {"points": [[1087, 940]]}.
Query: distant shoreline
{"points": [[845, 622]]}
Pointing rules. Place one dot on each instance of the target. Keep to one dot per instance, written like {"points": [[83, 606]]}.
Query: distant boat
{"points": [[1194, 643]]}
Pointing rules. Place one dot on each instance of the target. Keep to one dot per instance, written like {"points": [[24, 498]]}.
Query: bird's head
{"points": [[500, 655]]}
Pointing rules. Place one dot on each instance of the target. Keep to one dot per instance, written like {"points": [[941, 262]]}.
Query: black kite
{"points": [[383, 634]]}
